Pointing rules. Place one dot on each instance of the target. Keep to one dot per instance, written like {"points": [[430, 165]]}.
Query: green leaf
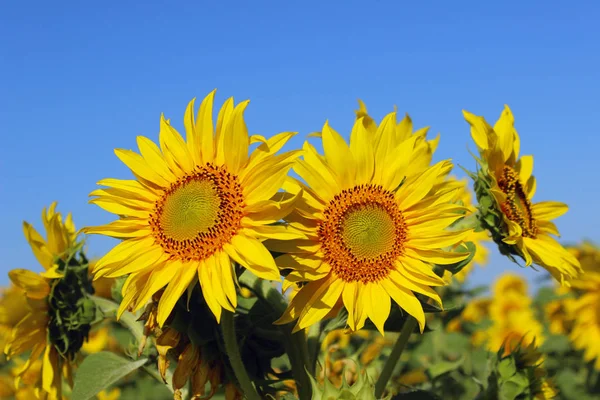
{"points": [[99, 371], [337, 322], [507, 368], [509, 391], [443, 367], [457, 267]]}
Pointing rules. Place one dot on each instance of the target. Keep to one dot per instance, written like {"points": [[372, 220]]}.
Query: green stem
{"points": [[235, 358], [314, 334], [392, 360], [128, 320], [295, 343]]}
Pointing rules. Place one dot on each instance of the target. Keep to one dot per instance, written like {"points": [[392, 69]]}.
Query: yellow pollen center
{"points": [[362, 234], [517, 206], [198, 214], [190, 210], [368, 231]]}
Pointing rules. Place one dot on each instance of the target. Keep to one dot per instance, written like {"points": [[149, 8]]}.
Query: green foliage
{"points": [[101, 370]]}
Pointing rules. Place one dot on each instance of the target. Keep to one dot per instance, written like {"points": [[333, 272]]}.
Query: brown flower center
{"points": [[362, 234], [517, 206], [199, 213]]}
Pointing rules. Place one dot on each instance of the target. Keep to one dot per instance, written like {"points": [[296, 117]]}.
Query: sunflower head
{"points": [[504, 186], [195, 208], [59, 312], [375, 221]]}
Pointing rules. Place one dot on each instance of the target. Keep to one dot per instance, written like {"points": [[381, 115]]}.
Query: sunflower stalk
{"points": [[394, 357], [233, 352], [128, 320]]}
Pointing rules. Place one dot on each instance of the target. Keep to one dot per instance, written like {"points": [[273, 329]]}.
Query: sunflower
{"points": [[519, 327], [374, 221], [194, 207], [505, 187], [585, 310], [57, 319]]}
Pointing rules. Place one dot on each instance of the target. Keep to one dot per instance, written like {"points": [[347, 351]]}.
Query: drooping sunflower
{"points": [[194, 207], [505, 187], [374, 222], [58, 315]]}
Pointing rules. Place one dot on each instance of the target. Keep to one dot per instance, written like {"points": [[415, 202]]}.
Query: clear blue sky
{"points": [[80, 79]]}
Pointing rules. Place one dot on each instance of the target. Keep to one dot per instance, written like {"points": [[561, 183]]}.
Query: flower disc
{"points": [[198, 214], [362, 234]]}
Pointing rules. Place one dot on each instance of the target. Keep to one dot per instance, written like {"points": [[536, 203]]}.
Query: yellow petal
{"points": [[338, 155], [50, 372], [547, 210], [361, 147], [34, 285], [172, 142], [350, 298], [414, 190], [183, 277], [228, 278], [236, 138], [525, 168], [204, 128], [505, 130], [204, 276], [482, 133], [406, 300], [265, 185], [436, 256], [315, 180], [120, 229], [38, 245], [223, 119], [253, 255], [380, 305], [274, 210], [321, 302], [151, 153], [191, 134], [140, 167], [267, 148]]}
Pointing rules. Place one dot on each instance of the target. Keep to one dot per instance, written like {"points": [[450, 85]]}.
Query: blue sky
{"points": [[77, 81]]}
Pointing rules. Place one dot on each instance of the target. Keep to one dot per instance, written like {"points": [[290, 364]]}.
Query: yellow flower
{"points": [[510, 283], [195, 207], [39, 331], [337, 337], [585, 334], [505, 187], [374, 221], [476, 310], [97, 341], [114, 394], [588, 255], [517, 328], [413, 378]]}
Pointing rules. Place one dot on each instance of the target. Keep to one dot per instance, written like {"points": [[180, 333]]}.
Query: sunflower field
{"points": [[332, 271]]}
